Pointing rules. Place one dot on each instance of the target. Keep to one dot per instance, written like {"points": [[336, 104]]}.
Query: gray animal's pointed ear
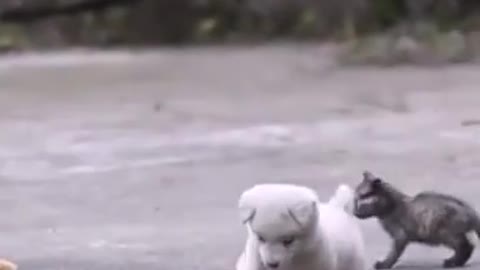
{"points": [[368, 176], [303, 213], [374, 181]]}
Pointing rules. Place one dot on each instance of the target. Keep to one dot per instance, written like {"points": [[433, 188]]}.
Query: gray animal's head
{"points": [[372, 198], [280, 221]]}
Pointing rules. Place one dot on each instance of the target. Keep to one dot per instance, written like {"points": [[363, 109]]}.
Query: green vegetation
{"points": [[375, 29]]}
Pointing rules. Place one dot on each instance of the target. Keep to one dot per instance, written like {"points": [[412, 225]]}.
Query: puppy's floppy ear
{"points": [[246, 208], [303, 213], [246, 214]]}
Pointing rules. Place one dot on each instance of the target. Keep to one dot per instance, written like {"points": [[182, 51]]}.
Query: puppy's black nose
{"points": [[273, 265]]}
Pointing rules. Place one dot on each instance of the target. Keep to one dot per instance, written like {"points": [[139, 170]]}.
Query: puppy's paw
{"points": [[382, 265]]}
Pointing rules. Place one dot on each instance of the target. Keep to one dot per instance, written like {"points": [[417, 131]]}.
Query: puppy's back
{"points": [[343, 198], [344, 236], [288, 194]]}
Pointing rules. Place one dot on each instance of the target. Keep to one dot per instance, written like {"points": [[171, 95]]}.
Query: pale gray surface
{"points": [[118, 161]]}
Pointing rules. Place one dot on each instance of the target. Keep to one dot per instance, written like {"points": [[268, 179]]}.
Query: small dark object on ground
{"points": [[471, 122]]}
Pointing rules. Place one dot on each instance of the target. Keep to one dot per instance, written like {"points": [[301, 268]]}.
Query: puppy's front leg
{"points": [[399, 245]]}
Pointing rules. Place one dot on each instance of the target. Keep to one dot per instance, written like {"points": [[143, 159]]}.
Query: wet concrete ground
{"points": [[136, 161]]}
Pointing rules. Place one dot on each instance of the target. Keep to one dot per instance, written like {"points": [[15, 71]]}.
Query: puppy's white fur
{"points": [[325, 236], [343, 198]]}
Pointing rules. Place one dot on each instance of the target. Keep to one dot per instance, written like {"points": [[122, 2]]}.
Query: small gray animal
{"points": [[429, 218]]}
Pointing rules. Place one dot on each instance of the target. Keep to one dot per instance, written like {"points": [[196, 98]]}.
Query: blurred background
{"points": [[129, 128], [383, 31]]}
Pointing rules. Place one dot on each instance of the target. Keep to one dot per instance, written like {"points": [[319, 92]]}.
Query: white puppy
{"points": [[290, 229]]}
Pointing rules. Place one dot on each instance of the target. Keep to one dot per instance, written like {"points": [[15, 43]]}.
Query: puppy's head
{"points": [[371, 197], [280, 218]]}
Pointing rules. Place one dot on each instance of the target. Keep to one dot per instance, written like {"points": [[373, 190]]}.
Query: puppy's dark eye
{"points": [[261, 239], [288, 241]]}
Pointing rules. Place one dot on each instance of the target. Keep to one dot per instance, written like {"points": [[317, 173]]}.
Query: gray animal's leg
{"points": [[396, 251], [463, 251]]}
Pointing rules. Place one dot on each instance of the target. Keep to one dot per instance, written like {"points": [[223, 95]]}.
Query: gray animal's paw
{"points": [[450, 263], [382, 265]]}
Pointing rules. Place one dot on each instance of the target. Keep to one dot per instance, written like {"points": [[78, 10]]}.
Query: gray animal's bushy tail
{"points": [[476, 224], [343, 198], [473, 235]]}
